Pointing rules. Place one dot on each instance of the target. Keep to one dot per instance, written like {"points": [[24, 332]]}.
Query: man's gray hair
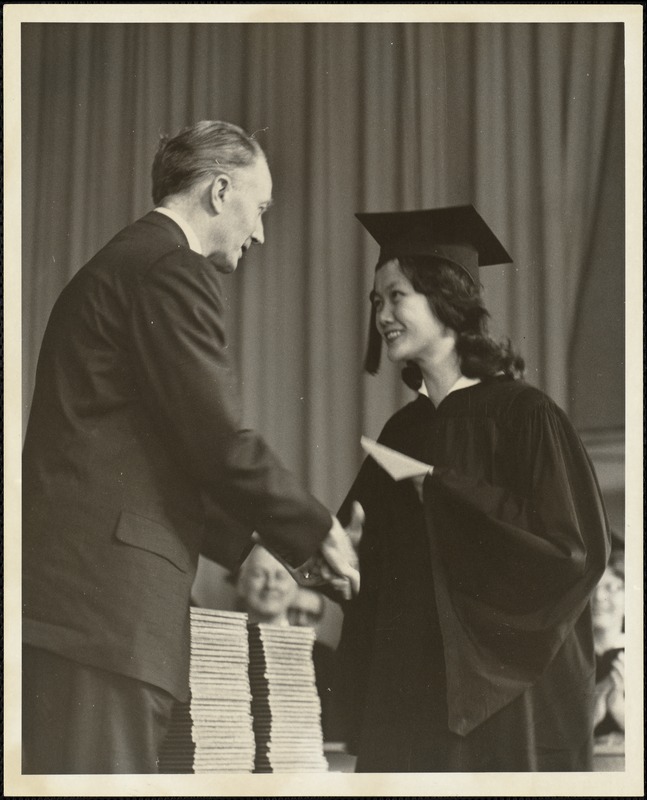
{"points": [[198, 151]]}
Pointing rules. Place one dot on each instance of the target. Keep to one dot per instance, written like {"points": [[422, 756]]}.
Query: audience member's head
{"points": [[306, 609], [608, 608], [617, 559], [264, 588]]}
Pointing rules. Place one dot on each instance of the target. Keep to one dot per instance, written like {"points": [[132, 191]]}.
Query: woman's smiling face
{"points": [[404, 317]]}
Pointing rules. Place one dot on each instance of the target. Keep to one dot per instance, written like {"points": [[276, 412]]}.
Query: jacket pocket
{"points": [[146, 534]]}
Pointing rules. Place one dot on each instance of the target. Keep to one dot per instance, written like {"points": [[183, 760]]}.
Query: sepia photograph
{"points": [[323, 403]]}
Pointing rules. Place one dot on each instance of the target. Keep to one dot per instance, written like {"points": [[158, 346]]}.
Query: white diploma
{"points": [[396, 464]]}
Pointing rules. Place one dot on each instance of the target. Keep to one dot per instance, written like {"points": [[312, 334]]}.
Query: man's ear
{"points": [[219, 193]]}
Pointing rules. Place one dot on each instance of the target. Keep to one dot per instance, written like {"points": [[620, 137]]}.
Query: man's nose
{"points": [[258, 236], [273, 582]]}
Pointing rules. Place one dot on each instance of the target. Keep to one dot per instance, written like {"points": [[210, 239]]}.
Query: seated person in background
{"points": [[264, 588], [608, 633], [307, 610]]}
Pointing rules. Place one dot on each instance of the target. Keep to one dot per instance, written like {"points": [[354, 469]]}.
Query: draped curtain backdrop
{"points": [[525, 121]]}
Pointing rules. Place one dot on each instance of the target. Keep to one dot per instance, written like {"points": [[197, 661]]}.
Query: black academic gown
{"points": [[469, 647]]}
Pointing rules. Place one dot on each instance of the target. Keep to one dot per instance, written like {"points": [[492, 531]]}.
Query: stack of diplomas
{"points": [[213, 732], [285, 703]]}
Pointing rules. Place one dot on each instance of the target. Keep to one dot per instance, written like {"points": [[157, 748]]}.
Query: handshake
{"points": [[336, 563]]}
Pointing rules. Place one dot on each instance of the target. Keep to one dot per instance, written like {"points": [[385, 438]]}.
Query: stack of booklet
{"points": [[213, 732], [285, 703], [178, 749]]}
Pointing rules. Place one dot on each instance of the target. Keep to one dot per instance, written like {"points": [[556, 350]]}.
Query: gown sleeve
{"points": [[514, 565]]}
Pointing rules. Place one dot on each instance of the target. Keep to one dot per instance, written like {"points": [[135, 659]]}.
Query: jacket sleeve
{"points": [[180, 353]]}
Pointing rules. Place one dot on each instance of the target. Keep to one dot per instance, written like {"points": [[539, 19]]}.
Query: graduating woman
{"points": [[469, 647]]}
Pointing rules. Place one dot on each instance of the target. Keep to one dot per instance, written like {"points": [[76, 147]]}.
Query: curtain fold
{"points": [[525, 121], [596, 54]]}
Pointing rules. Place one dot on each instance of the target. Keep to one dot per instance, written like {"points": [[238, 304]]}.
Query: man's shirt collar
{"points": [[187, 230]]}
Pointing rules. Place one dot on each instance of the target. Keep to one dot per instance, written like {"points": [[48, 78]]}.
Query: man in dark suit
{"points": [[135, 461]]}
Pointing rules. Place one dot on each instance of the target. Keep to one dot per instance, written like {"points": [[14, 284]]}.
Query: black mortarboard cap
{"points": [[457, 233]]}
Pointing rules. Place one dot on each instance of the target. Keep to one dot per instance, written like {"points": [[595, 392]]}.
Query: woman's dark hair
{"points": [[456, 301]]}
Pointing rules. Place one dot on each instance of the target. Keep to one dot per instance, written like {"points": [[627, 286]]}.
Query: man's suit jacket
{"points": [[134, 423]]}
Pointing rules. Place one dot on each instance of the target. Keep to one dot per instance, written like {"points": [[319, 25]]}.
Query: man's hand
{"points": [[336, 563]]}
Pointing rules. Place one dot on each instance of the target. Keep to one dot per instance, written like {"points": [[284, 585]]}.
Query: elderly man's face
{"points": [[240, 223], [306, 609], [265, 586]]}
